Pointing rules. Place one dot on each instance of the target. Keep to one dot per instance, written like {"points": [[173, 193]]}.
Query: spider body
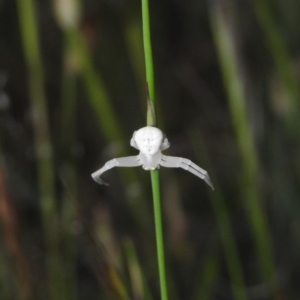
{"points": [[150, 162], [151, 142]]}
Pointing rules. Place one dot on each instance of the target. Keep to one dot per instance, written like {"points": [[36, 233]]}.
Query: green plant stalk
{"points": [[151, 120], [69, 91], [108, 120], [111, 128], [225, 229], [280, 54], [140, 289], [43, 146], [159, 233], [98, 95], [234, 86], [230, 247], [283, 61], [148, 50], [209, 273], [68, 138]]}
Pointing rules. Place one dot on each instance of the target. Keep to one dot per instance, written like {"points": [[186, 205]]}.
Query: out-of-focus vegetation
{"points": [[72, 91]]}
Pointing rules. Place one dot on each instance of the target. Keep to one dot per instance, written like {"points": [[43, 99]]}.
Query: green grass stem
{"points": [[148, 50], [159, 233], [43, 145], [70, 175], [98, 95], [209, 274], [155, 173], [222, 214], [280, 53], [233, 78], [285, 68], [109, 123], [139, 285]]}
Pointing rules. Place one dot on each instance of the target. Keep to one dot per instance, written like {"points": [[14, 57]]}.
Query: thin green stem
{"points": [[140, 289], [98, 95], [223, 32], [148, 50], [279, 51], [151, 120], [209, 272], [222, 213], [68, 126], [43, 146], [285, 68], [108, 121], [159, 233]]}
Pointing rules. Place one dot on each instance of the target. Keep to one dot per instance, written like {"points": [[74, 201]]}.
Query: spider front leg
{"points": [[186, 164], [129, 161]]}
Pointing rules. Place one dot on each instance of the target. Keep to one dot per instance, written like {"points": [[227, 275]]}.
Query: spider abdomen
{"points": [[150, 162]]}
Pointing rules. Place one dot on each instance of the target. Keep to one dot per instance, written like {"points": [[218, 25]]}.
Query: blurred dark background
{"points": [[73, 91]]}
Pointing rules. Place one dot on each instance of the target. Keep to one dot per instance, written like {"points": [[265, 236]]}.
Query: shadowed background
{"points": [[73, 91]]}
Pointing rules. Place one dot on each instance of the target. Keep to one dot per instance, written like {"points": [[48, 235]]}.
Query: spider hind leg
{"points": [[188, 165]]}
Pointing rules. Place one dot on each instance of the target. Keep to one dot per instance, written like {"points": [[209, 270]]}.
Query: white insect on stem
{"points": [[151, 141]]}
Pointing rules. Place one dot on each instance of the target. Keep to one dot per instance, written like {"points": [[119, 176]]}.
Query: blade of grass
{"points": [[68, 16], [139, 286], [108, 121], [209, 276], [115, 284], [209, 273], [69, 172], [43, 146], [226, 47], [224, 225], [282, 60], [159, 233], [148, 50], [109, 124], [98, 95], [154, 174], [105, 270], [284, 64]]}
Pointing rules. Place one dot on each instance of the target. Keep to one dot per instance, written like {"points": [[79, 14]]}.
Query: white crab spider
{"points": [[151, 141]]}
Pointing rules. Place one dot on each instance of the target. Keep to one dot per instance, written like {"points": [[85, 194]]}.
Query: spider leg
{"points": [[129, 161], [186, 164]]}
